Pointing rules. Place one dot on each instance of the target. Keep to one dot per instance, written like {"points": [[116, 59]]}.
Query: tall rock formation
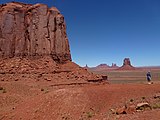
{"points": [[36, 31], [126, 65], [33, 30]]}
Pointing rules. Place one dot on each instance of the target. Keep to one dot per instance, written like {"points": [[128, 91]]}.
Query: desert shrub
{"points": [[3, 90], [131, 100], [156, 106], [143, 98], [44, 90], [89, 114]]}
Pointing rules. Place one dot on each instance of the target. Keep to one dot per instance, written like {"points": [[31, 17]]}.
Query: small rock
{"points": [[113, 111], [16, 80], [48, 79], [143, 106], [121, 110], [131, 109]]}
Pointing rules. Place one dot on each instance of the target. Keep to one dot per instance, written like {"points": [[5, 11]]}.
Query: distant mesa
{"points": [[103, 66], [126, 65]]}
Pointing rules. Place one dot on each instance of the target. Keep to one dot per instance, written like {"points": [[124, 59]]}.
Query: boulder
{"points": [[143, 106]]}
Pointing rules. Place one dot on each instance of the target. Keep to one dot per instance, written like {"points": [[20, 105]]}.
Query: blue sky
{"points": [[107, 31]]}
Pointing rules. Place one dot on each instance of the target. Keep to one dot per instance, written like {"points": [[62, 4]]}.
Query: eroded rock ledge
{"points": [[33, 30]]}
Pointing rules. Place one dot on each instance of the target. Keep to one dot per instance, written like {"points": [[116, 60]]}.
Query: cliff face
{"points": [[33, 30]]}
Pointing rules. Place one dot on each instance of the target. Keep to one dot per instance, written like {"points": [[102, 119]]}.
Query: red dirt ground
{"points": [[43, 101], [44, 90]]}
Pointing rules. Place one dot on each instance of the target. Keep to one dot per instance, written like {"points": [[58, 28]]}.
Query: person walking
{"points": [[149, 77]]}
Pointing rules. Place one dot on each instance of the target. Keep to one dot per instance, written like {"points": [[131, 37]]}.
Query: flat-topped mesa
{"points": [[33, 30]]}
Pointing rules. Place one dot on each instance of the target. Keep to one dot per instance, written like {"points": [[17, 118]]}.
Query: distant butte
{"points": [[126, 65]]}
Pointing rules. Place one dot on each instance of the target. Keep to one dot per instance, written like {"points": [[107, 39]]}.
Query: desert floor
{"points": [[44, 100]]}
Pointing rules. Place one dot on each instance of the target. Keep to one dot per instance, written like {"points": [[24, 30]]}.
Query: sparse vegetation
{"points": [[3, 90], [156, 106], [143, 98], [44, 90], [90, 114], [131, 100]]}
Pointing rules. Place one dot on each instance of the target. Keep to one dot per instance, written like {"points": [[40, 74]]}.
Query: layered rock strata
{"points": [[33, 30]]}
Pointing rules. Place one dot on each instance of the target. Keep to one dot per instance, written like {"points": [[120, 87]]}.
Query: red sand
{"points": [[40, 100]]}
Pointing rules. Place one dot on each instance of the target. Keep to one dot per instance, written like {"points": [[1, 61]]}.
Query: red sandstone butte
{"points": [[33, 30], [33, 41], [127, 65]]}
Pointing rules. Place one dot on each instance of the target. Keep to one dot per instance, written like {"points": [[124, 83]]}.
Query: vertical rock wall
{"points": [[33, 30]]}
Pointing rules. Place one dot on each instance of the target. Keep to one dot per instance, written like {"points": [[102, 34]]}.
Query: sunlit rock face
{"points": [[33, 30]]}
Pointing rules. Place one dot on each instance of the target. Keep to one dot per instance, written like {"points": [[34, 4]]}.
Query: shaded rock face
{"points": [[33, 30]]}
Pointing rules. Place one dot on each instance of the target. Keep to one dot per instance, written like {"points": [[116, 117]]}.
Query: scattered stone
{"points": [[131, 109], [121, 110], [113, 111], [143, 106]]}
